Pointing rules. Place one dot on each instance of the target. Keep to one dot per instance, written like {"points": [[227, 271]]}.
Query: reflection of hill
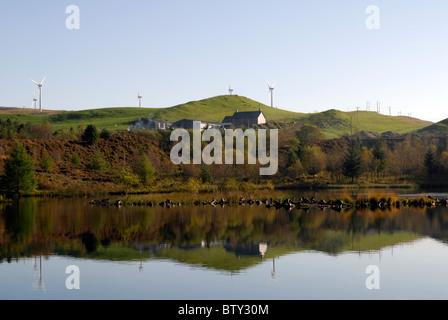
{"points": [[221, 238], [227, 258]]}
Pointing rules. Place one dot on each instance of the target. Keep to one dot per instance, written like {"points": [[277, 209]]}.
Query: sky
{"points": [[322, 54]]}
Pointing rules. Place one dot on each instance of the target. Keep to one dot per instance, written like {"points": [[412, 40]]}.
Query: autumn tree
{"points": [[380, 158], [309, 134], [144, 169], [46, 162]]}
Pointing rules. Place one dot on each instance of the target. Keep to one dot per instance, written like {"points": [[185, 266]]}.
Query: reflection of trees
{"points": [[36, 226], [17, 223], [90, 242], [20, 219]]}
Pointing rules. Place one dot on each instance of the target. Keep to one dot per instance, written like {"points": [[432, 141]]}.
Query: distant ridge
{"points": [[440, 127], [8, 110], [333, 123]]}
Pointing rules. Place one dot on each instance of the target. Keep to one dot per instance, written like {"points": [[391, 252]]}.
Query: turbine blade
{"points": [[35, 82], [43, 80]]}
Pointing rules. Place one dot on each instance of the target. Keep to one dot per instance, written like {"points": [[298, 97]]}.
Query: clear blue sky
{"points": [[320, 53]]}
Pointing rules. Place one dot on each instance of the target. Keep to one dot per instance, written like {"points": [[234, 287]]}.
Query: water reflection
{"points": [[38, 283], [229, 239]]}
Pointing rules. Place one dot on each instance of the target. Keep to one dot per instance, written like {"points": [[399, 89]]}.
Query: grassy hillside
{"points": [[439, 127], [337, 123], [216, 108], [334, 123]]}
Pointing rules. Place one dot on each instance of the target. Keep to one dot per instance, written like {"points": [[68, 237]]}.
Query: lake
{"points": [[69, 249]]}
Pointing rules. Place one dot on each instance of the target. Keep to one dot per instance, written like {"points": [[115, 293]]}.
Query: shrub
{"points": [[248, 186], [192, 185], [97, 163], [231, 185], [46, 163], [127, 179], [75, 159], [105, 134]]}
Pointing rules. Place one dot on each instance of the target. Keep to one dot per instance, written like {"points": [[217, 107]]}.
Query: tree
{"points": [[97, 163], [145, 170], [314, 168], [75, 159], [352, 166], [309, 134], [19, 173], [42, 131], [292, 157], [128, 180], [205, 175], [431, 162], [380, 158], [296, 170], [105, 134], [312, 159], [46, 163], [90, 135]]}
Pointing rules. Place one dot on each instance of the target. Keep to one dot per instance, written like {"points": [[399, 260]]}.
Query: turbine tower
{"points": [[230, 90], [271, 90], [34, 100], [139, 100], [39, 86]]}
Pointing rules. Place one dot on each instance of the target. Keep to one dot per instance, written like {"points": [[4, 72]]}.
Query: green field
{"points": [[334, 123]]}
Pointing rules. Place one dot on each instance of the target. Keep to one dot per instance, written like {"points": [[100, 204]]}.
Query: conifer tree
{"points": [[352, 166], [19, 173], [431, 162]]}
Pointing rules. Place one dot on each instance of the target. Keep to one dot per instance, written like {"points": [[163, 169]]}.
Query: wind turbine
{"points": [[271, 90], [230, 90], [34, 100], [139, 100], [39, 86]]}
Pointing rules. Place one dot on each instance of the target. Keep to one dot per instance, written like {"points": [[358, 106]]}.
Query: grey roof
{"points": [[247, 114], [227, 119], [185, 120], [191, 121]]}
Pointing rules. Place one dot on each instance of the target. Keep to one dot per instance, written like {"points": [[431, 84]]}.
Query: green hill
{"points": [[216, 108], [337, 123], [439, 127], [334, 123]]}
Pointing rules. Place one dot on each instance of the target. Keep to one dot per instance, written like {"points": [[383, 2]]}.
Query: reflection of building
{"points": [[248, 249], [263, 247]]}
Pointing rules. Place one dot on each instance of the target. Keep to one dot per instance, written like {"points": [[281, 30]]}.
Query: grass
{"points": [[334, 123]]}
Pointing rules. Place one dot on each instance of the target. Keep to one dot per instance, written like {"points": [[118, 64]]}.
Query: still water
{"points": [[233, 252]]}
